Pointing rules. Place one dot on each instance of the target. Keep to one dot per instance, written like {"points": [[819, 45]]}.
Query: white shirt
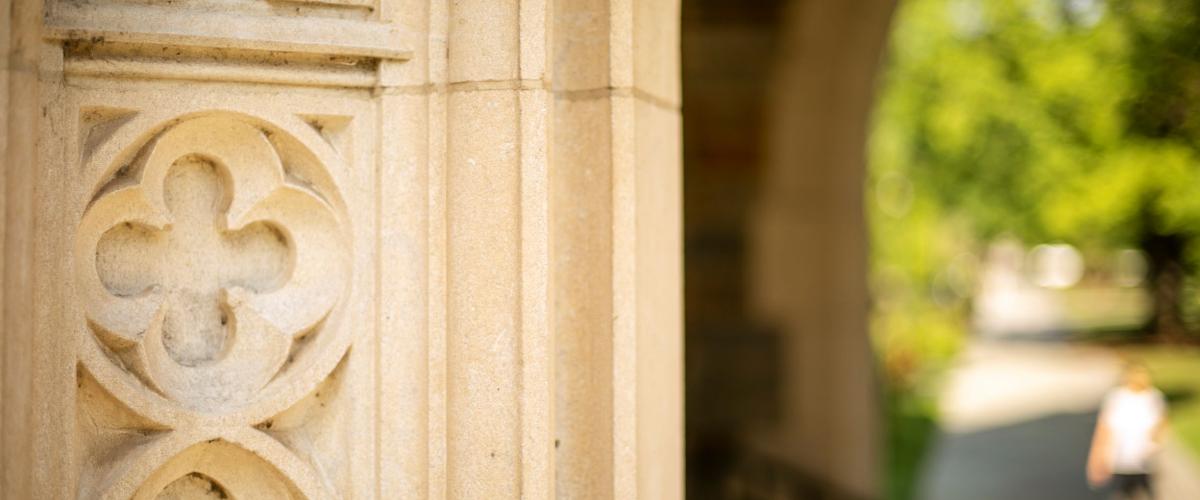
{"points": [[1132, 418]]}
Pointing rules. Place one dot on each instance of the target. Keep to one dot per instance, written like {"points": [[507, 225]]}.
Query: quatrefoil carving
{"points": [[203, 266]]}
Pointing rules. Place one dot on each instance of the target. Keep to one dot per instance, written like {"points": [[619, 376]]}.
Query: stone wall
{"points": [[341, 248]]}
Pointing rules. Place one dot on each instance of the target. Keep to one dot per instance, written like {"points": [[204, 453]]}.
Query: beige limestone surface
{"points": [[341, 249]]}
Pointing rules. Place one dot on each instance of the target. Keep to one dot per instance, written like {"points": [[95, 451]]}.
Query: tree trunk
{"points": [[1167, 271]]}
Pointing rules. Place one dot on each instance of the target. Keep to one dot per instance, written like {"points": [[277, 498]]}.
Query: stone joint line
{"points": [[521, 84]]}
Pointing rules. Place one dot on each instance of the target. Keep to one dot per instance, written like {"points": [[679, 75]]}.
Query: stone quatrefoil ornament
{"points": [[205, 274]]}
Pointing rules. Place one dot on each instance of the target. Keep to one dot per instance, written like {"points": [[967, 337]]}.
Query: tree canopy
{"points": [[1072, 121], [1048, 120]]}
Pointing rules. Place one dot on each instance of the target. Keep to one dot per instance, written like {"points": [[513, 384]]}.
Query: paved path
{"points": [[1017, 420]]}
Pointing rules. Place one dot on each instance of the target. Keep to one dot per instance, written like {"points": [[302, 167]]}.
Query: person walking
{"points": [[1129, 433]]}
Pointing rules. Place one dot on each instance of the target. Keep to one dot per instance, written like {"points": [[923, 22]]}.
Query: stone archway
{"points": [[512, 212], [777, 97]]}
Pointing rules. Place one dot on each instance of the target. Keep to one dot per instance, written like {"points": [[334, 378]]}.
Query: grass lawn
{"points": [[910, 425], [1176, 372]]}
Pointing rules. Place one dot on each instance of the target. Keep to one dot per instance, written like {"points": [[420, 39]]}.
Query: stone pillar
{"points": [[341, 249], [809, 242]]}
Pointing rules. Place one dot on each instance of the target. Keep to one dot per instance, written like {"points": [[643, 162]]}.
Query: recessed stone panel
{"points": [[221, 273]]}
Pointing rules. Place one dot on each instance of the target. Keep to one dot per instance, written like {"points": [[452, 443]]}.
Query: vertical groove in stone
{"points": [[536, 343], [52, 347], [404, 294], [20, 107], [483, 302], [408, 464], [437, 299], [7, 75], [436, 67], [381, 331], [582, 224], [625, 261]]}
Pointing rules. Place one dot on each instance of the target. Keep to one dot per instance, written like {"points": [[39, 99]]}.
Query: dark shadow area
{"points": [[727, 470], [732, 364]]}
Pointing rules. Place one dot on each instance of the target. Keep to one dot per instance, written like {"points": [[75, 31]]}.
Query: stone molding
{"points": [[314, 250]]}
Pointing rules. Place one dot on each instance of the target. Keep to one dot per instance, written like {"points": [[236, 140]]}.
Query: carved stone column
{"points": [[341, 249]]}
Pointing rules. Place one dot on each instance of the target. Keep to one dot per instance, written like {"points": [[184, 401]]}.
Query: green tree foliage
{"points": [[1050, 120], [1047, 120]]}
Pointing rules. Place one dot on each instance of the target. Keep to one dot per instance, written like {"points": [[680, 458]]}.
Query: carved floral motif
{"points": [[209, 278]]}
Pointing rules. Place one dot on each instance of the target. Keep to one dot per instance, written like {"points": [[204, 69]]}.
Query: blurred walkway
{"points": [[1017, 420]]}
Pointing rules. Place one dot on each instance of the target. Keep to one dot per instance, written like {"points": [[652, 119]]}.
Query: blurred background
{"points": [[923, 237]]}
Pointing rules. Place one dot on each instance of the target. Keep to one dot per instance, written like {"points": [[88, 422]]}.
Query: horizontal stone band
{"points": [[126, 24]]}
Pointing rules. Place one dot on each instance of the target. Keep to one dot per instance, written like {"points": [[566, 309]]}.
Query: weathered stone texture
{"points": [[327, 251]]}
